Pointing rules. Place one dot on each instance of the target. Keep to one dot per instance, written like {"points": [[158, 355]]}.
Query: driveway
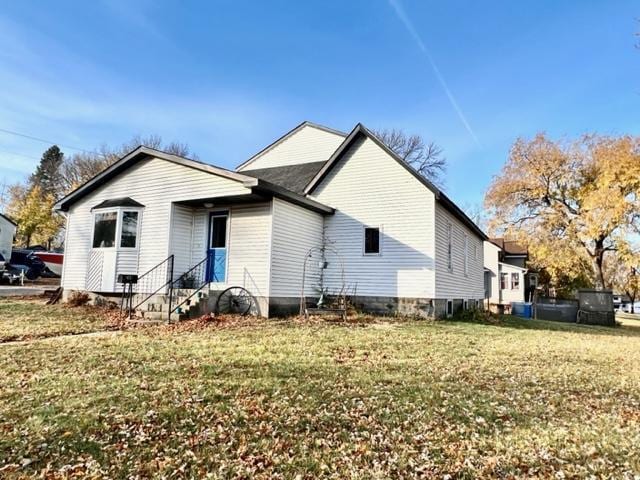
{"points": [[23, 291]]}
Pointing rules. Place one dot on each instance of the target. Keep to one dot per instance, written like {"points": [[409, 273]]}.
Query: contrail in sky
{"points": [[409, 26]]}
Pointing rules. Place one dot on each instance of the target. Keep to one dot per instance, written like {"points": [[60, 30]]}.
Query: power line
{"points": [[7, 152], [37, 139]]}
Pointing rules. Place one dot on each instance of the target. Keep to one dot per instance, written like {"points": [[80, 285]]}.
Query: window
{"points": [[466, 305], [504, 281], [129, 233], [449, 248], [533, 280], [116, 228], [515, 281], [104, 230], [449, 308], [466, 255], [218, 232], [371, 241]]}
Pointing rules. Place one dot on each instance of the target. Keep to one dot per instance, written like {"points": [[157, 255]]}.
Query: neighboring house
{"points": [[7, 235], [507, 279], [405, 246]]}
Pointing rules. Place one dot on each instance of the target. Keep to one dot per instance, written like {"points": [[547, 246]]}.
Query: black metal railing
{"points": [[152, 282], [194, 280]]}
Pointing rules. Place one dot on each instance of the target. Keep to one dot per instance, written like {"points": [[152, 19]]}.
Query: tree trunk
{"points": [[598, 257]]}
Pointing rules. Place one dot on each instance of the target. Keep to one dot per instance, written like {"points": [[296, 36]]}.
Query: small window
{"points": [[449, 247], [504, 281], [449, 308], [515, 281], [466, 305], [129, 230], [371, 241], [104, 230]]}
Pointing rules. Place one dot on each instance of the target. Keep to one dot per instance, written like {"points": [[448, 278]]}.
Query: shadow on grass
{"points": [[518, 323]]}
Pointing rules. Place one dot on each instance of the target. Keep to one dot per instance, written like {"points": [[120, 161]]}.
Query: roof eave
{"points": [[8, 219], [359, 130], [139, 153], [300, 200]]}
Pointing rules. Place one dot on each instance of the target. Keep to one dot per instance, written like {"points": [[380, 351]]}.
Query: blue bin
{"points": [[521, 309]]}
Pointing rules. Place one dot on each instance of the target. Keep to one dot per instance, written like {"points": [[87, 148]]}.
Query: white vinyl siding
{"points": [[368, 188], [491, 252], [248, 249], [510, 294], [248, 253], [154, 183], [309, 144], [181, 234], [295, 231], [453, 283]]}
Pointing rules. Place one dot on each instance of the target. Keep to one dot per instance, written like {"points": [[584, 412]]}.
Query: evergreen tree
{"points": [[48, 175]]}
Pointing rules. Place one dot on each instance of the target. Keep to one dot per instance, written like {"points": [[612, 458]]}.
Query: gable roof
{"points": [[8, 219], [360, 131], [287, 135], [143, 152], [292, 177]]}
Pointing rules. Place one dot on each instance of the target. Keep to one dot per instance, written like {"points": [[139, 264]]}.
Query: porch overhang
{"points": [[259, 191]]}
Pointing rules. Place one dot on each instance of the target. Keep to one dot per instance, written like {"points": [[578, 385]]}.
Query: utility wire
{"points": [[30, 137], [7, 152]]}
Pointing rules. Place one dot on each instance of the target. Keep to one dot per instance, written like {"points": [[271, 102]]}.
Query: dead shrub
{"points": [[78, 299]]}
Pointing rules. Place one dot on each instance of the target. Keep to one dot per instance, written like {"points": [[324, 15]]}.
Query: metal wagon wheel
{"points": [[235, 300]]}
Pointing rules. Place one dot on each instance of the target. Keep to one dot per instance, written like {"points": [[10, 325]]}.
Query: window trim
{"points": [[466, 255], [119, 213], [450, 246], [138, 223], [506, 283], [517, 276], [364, 240]]}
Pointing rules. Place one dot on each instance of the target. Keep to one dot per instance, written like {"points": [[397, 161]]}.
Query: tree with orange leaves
{"points": [[571, 202]]}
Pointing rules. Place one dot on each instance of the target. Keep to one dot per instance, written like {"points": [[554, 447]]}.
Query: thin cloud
{"points": [[397, 7]]}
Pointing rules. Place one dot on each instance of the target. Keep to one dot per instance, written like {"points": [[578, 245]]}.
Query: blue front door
{"points": [[217, 249]]}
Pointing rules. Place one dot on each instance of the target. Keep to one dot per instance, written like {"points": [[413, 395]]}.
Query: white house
{"points": [[405, 246], [7, 234], [505, 275]]}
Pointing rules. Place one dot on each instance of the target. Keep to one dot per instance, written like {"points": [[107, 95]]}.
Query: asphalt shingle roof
{"points": [[292, 177]]}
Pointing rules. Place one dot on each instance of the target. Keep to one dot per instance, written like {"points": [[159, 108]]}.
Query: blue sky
{"points": [[228, 77]]}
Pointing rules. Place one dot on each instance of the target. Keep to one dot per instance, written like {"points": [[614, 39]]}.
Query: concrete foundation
{"points": [[274, 307]]}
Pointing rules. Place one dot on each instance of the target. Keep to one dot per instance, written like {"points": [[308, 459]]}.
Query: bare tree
{"points": [[80, 167], [477, 213], [425, 157]]}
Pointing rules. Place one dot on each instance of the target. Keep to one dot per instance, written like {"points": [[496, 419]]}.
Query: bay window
{"points": [[116, 228]]}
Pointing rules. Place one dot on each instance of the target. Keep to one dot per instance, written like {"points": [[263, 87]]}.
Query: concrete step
{"points": [[183, 306], [159, 317]]}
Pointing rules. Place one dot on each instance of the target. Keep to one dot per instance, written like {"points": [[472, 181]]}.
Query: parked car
{"points": [[28, 262], [2, 265]]}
